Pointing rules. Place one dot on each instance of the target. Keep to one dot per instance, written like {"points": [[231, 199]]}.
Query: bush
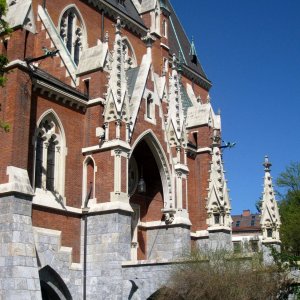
{"points": [[223, 275]]}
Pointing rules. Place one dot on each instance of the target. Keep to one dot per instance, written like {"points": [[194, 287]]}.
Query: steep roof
{"points": [[250, 222], [128, 8], [178, 41]]}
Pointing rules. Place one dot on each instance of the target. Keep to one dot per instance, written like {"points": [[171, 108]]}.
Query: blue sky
{"points": [[250, 50]]}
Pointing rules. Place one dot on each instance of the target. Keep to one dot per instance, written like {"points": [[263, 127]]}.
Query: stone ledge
{"points": [[18, 182], [110, 207], [151, 262]]}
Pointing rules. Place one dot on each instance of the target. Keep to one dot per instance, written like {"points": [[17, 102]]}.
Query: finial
{"points": [[208, 99], [267, 164], [149, 39], [118, 25], [193, 52]]}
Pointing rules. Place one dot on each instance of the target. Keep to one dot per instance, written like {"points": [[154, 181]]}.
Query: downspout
{"points": [[85, 211]]}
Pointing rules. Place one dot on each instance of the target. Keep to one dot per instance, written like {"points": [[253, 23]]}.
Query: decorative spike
{"points": [[270, 222]]}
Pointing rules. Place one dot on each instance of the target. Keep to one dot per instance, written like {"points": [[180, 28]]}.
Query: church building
{"points": [[112, 169]]}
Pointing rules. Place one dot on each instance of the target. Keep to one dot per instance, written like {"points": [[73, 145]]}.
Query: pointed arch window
{"points": [[71, 29], [89, 172], [49, 156], [50, 165], [164, 29], [149, 106], [129, 54], [39, 161]]}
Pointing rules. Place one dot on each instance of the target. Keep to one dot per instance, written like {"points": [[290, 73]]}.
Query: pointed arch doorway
{"points": [[52, 285], [146, 165]]}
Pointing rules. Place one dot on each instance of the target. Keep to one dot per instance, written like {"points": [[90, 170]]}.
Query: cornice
{"points": [[112, 11]]}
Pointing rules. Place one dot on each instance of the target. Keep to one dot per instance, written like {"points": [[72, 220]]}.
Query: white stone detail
{"points": [[18, 181], [58, 43], [21, 14], [270, 219], [93, 58], [218, 202]]}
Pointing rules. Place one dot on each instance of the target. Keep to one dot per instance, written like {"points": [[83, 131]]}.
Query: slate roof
{"points": [[128, 8], [178, 41], [186, 101], [250, 222], [46, 77]]}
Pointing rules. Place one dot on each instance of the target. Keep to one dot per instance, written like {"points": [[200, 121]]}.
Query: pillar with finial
{"points": [[270, 219]]}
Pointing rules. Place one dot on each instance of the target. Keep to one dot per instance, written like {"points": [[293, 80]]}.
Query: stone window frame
{"points": [[84, 180], [165, 28], [130, 60], [77, 33], [155, 21], [149, 115], [55, 132]]}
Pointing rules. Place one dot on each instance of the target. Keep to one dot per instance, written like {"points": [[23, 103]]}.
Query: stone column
{"points": [[108, 245], [168, 242], [19, 275]]}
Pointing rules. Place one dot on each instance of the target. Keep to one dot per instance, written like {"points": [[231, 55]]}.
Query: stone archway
{"points": [[52, 286], [147, 205]]}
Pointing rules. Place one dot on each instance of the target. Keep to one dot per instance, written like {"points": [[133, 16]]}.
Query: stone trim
{"points": [[18, 182]]}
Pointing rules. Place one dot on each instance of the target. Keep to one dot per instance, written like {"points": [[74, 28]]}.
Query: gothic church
{"points": [[112, 168]]}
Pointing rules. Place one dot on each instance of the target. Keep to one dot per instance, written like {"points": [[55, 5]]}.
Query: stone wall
{"points": [[168, 242], [142, 280], [108, 244], [19, 276]]}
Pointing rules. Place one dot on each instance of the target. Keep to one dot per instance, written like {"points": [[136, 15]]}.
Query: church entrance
{"points": [[146, 196]]}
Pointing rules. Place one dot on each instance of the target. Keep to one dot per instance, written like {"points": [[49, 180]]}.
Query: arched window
{"points": [[71, 30], [156, 24], [149, 108], [49, 156], [164, 28], [89, 171], [130, 58]]}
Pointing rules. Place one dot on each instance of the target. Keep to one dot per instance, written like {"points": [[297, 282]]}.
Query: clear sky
{"points": [[250, 50]]}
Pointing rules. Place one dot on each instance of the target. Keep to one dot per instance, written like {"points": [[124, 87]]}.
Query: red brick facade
{"points": [[23, 102]]}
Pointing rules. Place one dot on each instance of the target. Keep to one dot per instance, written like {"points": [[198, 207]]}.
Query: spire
{"points": [[193, 52], [218, 202], [176, 112], [270, 219], [117, 95]]}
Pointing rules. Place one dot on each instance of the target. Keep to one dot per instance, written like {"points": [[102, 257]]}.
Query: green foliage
{"points": [[4, 30], [290, 178], [290, 215], [289, 208], [283, 260], [5, 126]]}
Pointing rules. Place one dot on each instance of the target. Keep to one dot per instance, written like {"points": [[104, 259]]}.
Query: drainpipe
{"points": [[85, 211]]}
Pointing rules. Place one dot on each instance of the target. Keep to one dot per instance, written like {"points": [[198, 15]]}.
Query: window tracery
{"points": [[48, 156], [130, 58], [71, 32]]}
